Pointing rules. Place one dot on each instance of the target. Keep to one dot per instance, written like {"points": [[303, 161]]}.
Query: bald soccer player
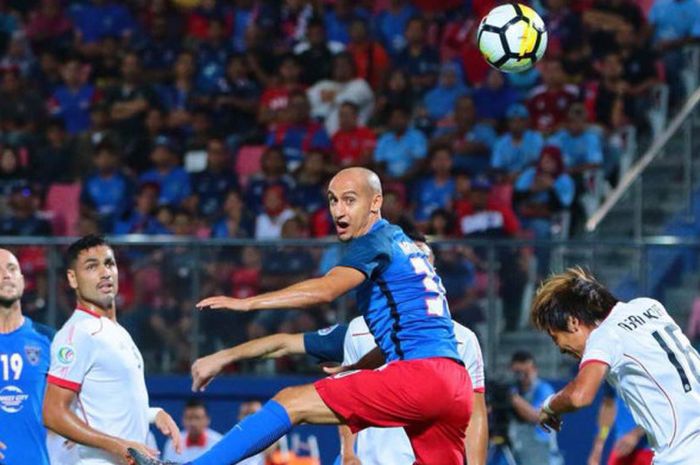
{"points": [[423, 388]]}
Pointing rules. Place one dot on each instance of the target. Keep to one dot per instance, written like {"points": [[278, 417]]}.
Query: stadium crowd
{"points": [[225, 119]]}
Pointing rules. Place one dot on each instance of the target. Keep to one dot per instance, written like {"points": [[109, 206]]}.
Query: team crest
{"points": [[33, 354]]}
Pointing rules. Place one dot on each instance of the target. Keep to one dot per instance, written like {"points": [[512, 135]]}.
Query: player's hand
{"points": [[122, 447], [204, 370], [2, 447], [168, 427], [220, 301], [335, 369], [626, 444], [550, 422]]}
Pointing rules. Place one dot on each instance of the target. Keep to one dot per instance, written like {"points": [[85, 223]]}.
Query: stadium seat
{"points": [[63, 208], [248, 162]]}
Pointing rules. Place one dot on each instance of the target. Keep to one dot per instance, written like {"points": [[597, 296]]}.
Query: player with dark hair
{"points": [[94, 357], [403, 302], [637, 347], [24, 362]]}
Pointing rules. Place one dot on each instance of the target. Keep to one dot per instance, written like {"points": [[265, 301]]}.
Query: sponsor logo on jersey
{"points": [[326, 331], [33, 354], [66, 355], [12, 399]]}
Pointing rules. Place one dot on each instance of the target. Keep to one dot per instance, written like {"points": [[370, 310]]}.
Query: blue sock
{"points": [[250, 436]]}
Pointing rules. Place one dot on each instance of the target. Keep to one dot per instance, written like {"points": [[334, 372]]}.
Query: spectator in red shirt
{"points": [[370, 57], [353, 145], [480, 214], [274, 100], [549, 103]]}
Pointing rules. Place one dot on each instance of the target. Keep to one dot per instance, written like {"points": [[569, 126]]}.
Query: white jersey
{"points": [[657, 374], [191, 451], [96, 357], [371, 442]]}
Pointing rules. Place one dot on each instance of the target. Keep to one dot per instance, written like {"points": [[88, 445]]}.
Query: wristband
{"points": [[153, 413], [603, 433], [545, 406]]}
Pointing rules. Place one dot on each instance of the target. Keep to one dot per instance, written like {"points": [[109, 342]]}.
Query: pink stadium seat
{"points": [[248, 162], [63, 205]]}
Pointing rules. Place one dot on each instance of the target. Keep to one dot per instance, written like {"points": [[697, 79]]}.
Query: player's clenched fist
{"points": [[205, 369], [221, 301]]}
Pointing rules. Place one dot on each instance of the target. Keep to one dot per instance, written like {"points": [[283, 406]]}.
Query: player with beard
{"points": [[96, 394], [24, 362]]}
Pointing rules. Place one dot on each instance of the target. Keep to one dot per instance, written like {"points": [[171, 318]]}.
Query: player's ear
{"points": [[574, 324], [70, 275], [377, 201]]}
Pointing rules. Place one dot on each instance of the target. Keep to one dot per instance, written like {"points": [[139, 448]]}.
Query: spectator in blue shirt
{"points": [[494, 97], [273, 173], [418, 59], [142, 219], [72, 101], [471, 141], [300, 134], [108, 191], [235, 101], [580, 142], [401, 150], [540, 193], [440, 100], [675, 23], [339, 17], [531, 444], [520, 147], [212, 55], [435, 191], [100, 18], [173, 181], [391, 24], [236, 221], [211, 186], [24, 219]]}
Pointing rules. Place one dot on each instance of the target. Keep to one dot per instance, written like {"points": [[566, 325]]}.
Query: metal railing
{"points": [[489, 285], [683, 120]]}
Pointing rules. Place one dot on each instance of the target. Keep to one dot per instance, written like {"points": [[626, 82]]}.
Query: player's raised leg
{"points": [[291, 406]]}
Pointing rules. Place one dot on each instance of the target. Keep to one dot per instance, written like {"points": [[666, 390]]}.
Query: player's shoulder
{"points": [[44, 331], [79, 326]]}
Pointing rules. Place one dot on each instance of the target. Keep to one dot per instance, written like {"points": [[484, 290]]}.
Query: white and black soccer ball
{"points": [[512, 37]]}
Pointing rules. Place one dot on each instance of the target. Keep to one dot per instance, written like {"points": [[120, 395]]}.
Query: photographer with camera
{"points": [[531, 444]]}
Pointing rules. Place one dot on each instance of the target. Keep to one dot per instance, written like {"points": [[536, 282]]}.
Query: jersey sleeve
{"points": [[72, 356], [368, 254], [603, 346], [470, 353], [326, 344]]}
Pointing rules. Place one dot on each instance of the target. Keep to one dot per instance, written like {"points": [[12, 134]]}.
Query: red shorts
{"points": [[637, 457], [430, 398]]}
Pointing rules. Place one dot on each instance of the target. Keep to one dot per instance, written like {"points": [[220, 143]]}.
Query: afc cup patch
{"points": [[327, 331], [33, 354], [65, 355]]}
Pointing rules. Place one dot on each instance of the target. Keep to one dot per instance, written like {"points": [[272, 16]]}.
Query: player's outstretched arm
{"points": [[277, 345], [305, 294], [59, 418], [476, 440], [577, 394]]}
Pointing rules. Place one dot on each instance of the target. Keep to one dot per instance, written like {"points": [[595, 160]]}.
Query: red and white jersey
{"points": [[371, 442], [96, 357], [657, 374]]}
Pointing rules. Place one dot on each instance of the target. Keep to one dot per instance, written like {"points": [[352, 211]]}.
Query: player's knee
{"points": [[293, 399]]}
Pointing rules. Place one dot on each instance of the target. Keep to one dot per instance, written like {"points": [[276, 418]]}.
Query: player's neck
{"points": [[97, 310], [10, 318]]}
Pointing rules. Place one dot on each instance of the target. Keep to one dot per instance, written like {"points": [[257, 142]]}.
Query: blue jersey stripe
{"points": [[395, 316]]}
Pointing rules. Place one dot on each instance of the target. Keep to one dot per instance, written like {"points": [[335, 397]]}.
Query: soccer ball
{"points": [[512, 37]]}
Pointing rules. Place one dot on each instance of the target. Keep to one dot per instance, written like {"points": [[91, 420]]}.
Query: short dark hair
{"points": [[350, 104], [521, 356], [195, 402], [575, 293], [84, 243]]}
